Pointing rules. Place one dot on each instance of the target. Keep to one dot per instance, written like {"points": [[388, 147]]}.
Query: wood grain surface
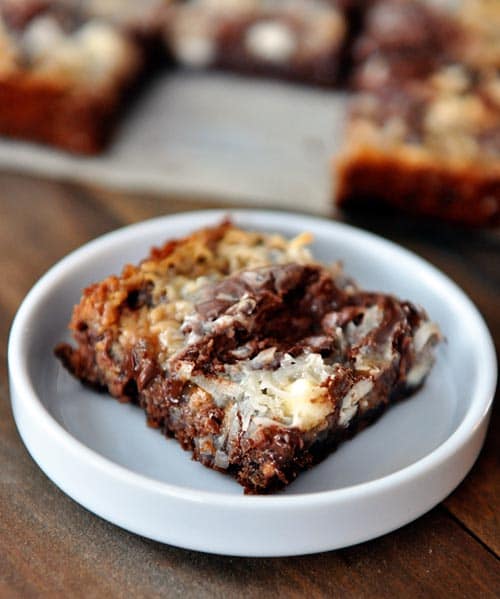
{"points": [[52, 547]]}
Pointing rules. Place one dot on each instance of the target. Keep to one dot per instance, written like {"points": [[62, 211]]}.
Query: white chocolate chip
{"points": [[271, 41], [42, 37]]}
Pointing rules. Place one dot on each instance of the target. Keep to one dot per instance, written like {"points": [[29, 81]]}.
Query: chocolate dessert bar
{"points": [[293, 39], [62, 79], [428, 147], [255, 357], [424, 131]]}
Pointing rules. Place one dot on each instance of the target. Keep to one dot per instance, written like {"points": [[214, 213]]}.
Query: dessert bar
{"points": [[424, 130], [254, 356], [62, 80]]}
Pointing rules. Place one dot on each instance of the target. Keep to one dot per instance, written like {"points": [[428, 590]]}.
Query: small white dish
{"points": [[102, 454]]}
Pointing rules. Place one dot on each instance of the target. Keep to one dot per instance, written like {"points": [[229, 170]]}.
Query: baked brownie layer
{"points": [[460, 195], [252, 355]]}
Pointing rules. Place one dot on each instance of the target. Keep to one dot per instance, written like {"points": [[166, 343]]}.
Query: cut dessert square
{"points": [[62, 79], [254, 356], [424, 133], [294, 39], [430, 147]]}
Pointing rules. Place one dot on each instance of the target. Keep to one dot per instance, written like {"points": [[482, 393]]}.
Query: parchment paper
{"points": [[247, 141]]}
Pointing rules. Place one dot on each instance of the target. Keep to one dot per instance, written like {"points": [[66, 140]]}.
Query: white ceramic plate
{"points": [[102, 454]]}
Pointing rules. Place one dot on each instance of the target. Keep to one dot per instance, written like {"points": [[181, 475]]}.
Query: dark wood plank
{"points": [[476, 502], [131, 208]]}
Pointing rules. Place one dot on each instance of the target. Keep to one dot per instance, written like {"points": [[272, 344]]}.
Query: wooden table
{"points": [[52, 547]]}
